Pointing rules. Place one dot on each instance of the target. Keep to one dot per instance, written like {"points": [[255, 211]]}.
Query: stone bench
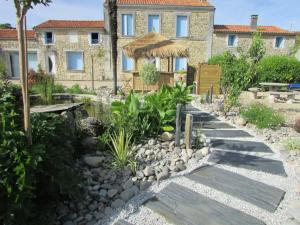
{"points": [[289, 96], [254, 91]]}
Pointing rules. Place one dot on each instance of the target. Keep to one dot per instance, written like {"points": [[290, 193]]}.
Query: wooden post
{"points": [[207, 97], [211, 94], [188, 130], [172, 65], [178, 125]]}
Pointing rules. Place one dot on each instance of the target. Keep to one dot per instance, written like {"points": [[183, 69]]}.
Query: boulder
{"points": [[92, 127], [167, 136], [117, 203], [112, 192], [144, 185], [93, 161], [240, 121], [148, 171], [205, 151], [127, 194], [89, 144], [162, 175]]}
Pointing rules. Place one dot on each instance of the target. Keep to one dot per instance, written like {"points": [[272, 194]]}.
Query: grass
{"points": [[292, 144], [76, 89], [262, 116]]}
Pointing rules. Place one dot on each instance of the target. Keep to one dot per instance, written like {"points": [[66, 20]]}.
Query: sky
{"points": [[282, 13]]}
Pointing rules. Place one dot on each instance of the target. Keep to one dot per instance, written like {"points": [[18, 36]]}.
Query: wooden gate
{"points": [[206, 76]]}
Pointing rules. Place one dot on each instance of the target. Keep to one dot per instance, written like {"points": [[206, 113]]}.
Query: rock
{"points": [[291, 222], [88, 217], [127, 194], [151, 142], [198, 155], [128, 184], [92, 127], [240, 121], [70, 122], [180, 166], [177, 150], [135, 189], [190, 152], [92, 222], [148, 171], [205, 151], [112, 192], [93, 161], [108, 210], [139, 174], [103, 193], [89, 144], [144, 185], [167, 136], [69, 223], [148, 152], [96, 187], [162, 175], [117, 203]]}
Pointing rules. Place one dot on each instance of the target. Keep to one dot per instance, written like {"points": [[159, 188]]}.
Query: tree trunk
{"points": [[113, 27], [23, 78]]}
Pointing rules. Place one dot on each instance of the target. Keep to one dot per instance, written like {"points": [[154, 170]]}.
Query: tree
{"points": [[22, 7], [113, 27], [6, 26]]}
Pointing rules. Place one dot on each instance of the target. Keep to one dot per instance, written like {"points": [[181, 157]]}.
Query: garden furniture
{"points": [[274, 86], [254, 91]]}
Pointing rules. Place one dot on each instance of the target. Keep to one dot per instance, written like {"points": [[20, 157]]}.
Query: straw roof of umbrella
{"points": [[154, 45]]}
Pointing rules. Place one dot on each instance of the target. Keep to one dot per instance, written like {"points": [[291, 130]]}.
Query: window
{"points": [[279, 42], [156, 62], [75, 60], [232, 40], [49, 38], [127, 25], [15, 66], [181, 64], [73, 37], [32, 61], [153, 23], [127, 63], [182, 26], [95, 38]]}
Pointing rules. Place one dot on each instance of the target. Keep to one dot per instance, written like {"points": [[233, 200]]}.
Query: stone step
{"points": [[180, 205], [226, 133], [247, 162], [122, 222], [200, 117], [243, 146], [254, 192]]}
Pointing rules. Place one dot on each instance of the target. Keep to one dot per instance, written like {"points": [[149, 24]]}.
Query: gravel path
{"points": [[135, 213]]}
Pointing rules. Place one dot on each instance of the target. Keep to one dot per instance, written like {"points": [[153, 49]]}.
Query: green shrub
{"points": [[262, 116], [76, 89], [282, 69], [292, 144], [59, 88], [217, 60], [3, 72], [121, 150], [149, 74]]}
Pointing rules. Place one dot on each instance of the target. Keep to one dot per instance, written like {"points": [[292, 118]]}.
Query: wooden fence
{"points": [[165, 78], [206, 76]]}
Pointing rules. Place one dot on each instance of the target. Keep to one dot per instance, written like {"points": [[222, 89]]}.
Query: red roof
{"points": [[71, 24], [247, 29], [195, 3], [13, 35]]}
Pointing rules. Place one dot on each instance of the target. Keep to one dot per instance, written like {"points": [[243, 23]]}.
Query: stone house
{"points": [[70, 49]]}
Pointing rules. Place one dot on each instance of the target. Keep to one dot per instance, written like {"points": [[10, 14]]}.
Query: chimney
{"points": [[254, 19]]}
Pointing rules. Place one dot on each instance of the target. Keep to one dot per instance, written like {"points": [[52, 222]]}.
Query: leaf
{"points": [[168, 128]]}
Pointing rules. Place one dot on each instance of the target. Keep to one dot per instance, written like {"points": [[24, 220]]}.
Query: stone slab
{"points": [[55, 108], [122, 222], [248, 162], [226, 133], [201, 117], [243, 146], [180, 205], [262, 195], [213, 126]]}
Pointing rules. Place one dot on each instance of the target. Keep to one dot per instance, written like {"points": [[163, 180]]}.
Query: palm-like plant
{"points": [[122, 151]]}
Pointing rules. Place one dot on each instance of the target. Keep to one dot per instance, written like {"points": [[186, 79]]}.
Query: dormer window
{"points": [[49, 38], [95, 38], [232, 40], [279, 42]]}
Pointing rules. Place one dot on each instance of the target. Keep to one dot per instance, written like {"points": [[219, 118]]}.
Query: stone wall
{"points": [[62, 44], [198, 42], [244, 42]]}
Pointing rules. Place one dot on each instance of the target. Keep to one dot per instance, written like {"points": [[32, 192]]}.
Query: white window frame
{"points": [[73, 37], [83, 62], [235, 42], [282, 44], [133, 24], [44, 38], [90, 38], [188, 25]]}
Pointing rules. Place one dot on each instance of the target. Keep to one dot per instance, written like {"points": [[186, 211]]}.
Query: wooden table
{"points": [[274, 86]]}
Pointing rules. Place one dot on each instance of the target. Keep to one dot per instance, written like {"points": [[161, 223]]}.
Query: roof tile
{"points": [[247, 29], [13, 35], [71, 24], [195, 3]]}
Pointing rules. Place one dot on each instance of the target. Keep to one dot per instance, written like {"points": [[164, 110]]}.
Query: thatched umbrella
{"points": [[154, 45]]}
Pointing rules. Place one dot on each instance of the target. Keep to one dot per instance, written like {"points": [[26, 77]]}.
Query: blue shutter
{"points": [[231, 40], [75, 60], [279, 41], [128, 63], [153, 23], [180, 64], [182, 26], [127, 24]]}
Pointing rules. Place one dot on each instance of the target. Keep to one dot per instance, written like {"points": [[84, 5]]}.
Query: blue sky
{"points": [[283, 13]]}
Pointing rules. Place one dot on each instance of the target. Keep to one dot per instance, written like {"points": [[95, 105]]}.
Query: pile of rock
{"points": [[106, 189]]}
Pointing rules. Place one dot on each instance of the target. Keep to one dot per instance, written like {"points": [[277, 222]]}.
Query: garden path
{"points": [[236, 154]]}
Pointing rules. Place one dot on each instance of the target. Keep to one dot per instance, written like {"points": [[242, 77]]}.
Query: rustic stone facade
{"points": [[220, 43]]}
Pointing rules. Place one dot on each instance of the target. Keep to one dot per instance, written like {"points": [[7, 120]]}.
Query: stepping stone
{"points": [[226, 133], [122, 222], [257, 193], [212, 125], [243, 146], [248, 162], [180, 205], [201, 117]]}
